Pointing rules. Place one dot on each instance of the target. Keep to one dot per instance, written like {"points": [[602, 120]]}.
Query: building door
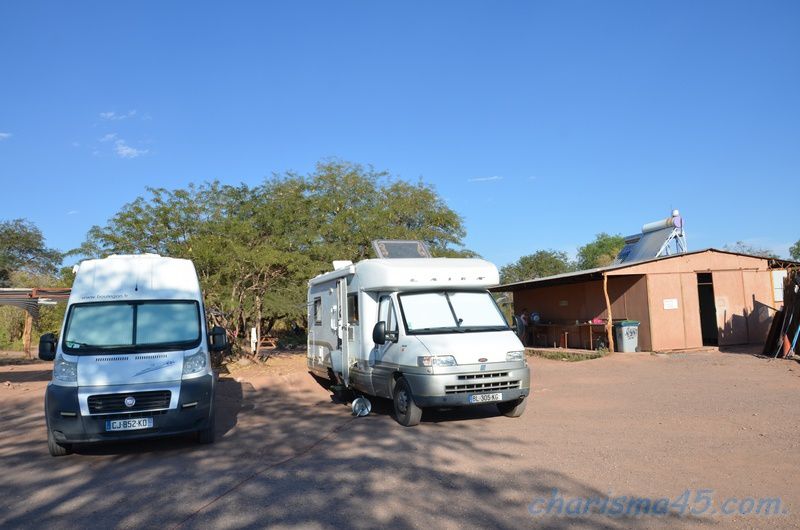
{"points": [[708, 309]]}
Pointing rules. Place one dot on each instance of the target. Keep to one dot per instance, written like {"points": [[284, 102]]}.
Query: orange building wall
{"points": [[679, 328]]}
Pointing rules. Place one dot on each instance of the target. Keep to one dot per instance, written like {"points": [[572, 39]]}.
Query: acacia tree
{"points": [[600, 252], [795, 251], [746, 248], [256, 247], [537, 265], [22, 248]]}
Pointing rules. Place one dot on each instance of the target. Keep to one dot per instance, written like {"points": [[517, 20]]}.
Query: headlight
{"points": [[194, 363], [65, 371], [518, 355], [436, 360]]}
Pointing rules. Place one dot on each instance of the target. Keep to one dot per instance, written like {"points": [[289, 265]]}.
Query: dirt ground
{"points": [[288, 455]]}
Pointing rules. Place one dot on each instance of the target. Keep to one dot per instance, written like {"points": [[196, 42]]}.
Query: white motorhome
{"points": [[423, 332], [132, 359]]}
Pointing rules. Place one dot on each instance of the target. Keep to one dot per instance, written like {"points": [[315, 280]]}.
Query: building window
{"points": [[317, 311], [778, 278]]}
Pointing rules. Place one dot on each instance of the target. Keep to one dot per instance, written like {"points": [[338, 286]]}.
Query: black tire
{"points": [[55, 448], [406, 412], [208, 435], [512, 409]]}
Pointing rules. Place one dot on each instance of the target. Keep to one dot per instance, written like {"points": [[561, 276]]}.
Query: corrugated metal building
{"points": [[683, 301]]}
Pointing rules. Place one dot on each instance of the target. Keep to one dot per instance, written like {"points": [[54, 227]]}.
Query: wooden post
{"points": [[26, 334], [609, 323]]}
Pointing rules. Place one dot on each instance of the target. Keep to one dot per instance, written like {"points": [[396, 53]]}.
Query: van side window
{"points": [[317, 311], [387, 314], [352, 309]]}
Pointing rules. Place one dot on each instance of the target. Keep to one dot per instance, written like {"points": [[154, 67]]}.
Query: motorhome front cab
{"points": [[423, 332], [132, 359]]}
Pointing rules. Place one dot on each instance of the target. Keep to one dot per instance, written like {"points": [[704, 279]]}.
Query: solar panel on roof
{"points": [[659, 238]]}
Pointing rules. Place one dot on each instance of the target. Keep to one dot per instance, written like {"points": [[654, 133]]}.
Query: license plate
{"points": [[485, 398], [129, 425]]}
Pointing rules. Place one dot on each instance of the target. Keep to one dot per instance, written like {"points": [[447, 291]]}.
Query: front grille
{"points": [[482, 375], [115, 403], [474, 388]]}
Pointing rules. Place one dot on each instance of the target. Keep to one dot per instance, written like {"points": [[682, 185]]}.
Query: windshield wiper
{"points": [[73, 344]]}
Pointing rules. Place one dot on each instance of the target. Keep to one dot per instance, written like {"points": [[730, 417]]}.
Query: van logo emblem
{"points": [[482, 360], [130, 401]]}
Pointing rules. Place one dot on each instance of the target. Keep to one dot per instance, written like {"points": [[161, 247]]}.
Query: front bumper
{"points": [[454, 388], [70, 425]]}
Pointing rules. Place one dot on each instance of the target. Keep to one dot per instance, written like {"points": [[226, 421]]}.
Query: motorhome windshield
{"points": [[450, 312], [146, 325]]}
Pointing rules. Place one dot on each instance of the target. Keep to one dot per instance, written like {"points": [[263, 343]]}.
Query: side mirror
{"points": [[379, 333], [47, 347], [518, 326], [217, 339]]}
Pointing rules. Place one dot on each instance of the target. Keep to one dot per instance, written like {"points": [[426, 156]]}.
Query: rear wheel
{"points": [[208, 435], [406, 411], [55, 448], [512, 409]]}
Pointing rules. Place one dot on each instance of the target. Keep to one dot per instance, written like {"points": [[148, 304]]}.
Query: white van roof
{"points": [[135, 277], [417, 273]]}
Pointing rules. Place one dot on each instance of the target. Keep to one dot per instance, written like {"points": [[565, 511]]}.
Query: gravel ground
{"points": [[288, 455]]}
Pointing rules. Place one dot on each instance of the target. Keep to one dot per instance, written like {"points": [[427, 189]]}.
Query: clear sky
{"points": [[541, 123]]}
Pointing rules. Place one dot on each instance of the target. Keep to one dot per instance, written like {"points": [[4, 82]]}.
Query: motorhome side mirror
{"points": [[379, 333], [218, 339], [47, 347]]}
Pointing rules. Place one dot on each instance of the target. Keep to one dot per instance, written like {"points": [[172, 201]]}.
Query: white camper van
{"points": [[421, 331], [132, 360]]}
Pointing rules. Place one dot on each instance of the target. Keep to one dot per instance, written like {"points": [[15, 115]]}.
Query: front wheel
{"points": [[512, 409], [406, 411], [54, 447]]}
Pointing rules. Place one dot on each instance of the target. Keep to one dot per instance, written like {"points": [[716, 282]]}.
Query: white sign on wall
{"points": [[670, 303]]}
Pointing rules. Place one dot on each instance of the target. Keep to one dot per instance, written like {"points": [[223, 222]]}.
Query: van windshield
{"points": [[451, 312], [145, 325]]}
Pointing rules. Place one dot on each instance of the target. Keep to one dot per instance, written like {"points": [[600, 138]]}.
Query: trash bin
{"points": [[626, 334]]}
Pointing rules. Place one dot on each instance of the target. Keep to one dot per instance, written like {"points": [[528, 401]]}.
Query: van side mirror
{"points": [[379, 333], [47, 347], [217, 339]]}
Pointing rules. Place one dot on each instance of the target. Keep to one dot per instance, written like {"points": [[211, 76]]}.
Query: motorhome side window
{"points": [[352, 308], [317, 311], [387, 314]]}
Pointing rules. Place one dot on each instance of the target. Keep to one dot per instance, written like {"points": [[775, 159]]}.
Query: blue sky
{"points": [[541, 123]]}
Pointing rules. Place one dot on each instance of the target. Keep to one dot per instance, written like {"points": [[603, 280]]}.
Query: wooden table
{"points": [[558, 334]]}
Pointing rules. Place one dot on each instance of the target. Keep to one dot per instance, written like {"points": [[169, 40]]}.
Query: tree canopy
{"points": [[794, 252], [255, 247], [746, 248], [537, 265], [600, 252], [22, 248]]}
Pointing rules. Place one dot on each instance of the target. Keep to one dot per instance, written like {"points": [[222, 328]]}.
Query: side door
{"points": [[343, 327], [382, 368]]}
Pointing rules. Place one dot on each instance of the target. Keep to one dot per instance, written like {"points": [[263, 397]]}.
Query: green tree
{"points": [[795, 251], [22, 248], [537, 265], [600, 252], [741, 247], [256, 247]]}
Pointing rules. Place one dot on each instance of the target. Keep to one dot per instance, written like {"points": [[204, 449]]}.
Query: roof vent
{"points": [[388, 248]]}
